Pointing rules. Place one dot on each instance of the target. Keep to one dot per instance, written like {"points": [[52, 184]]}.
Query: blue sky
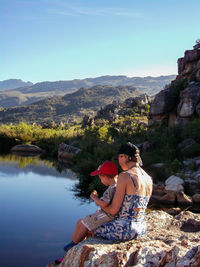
{"points": [[50, 40]]}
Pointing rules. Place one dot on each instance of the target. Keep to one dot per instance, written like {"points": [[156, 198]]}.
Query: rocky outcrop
{"points": [[67, 152], [27, 149], [180, 189], [112, 111], [179, 102], [189, 65], [169, 242], [87, 121]]}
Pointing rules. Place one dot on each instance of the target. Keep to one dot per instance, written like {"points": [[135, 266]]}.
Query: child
{"points": [[107, 172]]}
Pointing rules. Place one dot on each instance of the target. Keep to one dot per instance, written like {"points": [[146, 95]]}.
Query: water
{"points": [[38, 211]]}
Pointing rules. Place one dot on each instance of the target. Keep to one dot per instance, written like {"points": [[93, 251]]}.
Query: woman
{"points": [[133, 191]]}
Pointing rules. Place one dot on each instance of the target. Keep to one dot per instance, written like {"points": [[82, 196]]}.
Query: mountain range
{"points": [[27, 93], [13, 83], [70, 106]]}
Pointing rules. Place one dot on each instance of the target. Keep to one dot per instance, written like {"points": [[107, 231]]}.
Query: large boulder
{"points": [[67, 152], [174, 183], [135, 101], [163, 102], [189, 98], [170, 241], [163, 107], [27, 149]]}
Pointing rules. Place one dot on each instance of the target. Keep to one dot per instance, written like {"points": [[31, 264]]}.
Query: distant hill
{"points": [[29, 94], [13, 83], [70, 106]]}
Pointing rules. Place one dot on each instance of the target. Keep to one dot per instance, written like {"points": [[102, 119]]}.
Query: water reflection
{"points": [[16, 164], [38, 210]]}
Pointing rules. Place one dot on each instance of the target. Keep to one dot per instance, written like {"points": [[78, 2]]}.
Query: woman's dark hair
{"points": [[132, 152]]}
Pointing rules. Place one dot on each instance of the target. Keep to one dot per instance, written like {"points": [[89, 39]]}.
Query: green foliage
{"points": [[147, 108], [178, 86], [192, 130], [47, 139], [172, 167], [101, 142]]}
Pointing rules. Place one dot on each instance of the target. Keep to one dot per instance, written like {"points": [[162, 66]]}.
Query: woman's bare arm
{"points": [[116, 203]]}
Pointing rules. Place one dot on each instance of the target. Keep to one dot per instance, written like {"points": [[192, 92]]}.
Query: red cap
{"points": [[107, 168]]}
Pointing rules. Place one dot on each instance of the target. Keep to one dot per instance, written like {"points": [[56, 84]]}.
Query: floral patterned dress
{"points": [[126, 225]]}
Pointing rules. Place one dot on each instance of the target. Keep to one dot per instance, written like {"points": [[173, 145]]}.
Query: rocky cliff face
{"points": [[180, 101], [189, 65], [169, 242]]}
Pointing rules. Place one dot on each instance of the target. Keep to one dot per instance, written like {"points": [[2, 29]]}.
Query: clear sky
{"points": [[50, 40]]}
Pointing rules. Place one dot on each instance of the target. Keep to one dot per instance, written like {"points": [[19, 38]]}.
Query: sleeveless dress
{"points": [[125, 226]]}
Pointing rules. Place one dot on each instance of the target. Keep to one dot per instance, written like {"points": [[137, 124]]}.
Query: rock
{"points": [[189, 148], [198, 75], [186, 144], [163, 103], [179, 102], [197, 176], [158, 189], [67, 152], [27, 149], [158, 165], [173, 211], [186, 109], [138, 100], [181, 65], [87, 121], [196, 198], [183, 199], [169, 242], [110, 111], [174, 183], [191, 186], [174, 180], [157, 171], [192, 55], [197, 45], [146, 146], [189, 98], [174, 187], [198, 109], [169, 198]]}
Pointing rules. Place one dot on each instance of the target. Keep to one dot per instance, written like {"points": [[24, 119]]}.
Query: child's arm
{"points": [[101, 203]]}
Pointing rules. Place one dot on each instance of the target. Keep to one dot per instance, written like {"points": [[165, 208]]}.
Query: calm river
{"points": [[38, 211]]}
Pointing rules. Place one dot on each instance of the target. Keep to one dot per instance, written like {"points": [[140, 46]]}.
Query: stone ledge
{"points": [[168, 243]]}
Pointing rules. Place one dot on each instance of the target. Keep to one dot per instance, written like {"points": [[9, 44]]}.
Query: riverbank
{"points": [[165, 151]]}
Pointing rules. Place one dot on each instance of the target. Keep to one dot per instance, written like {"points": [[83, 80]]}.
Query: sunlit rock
{"points": [[27, 149], [170, 241]]}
